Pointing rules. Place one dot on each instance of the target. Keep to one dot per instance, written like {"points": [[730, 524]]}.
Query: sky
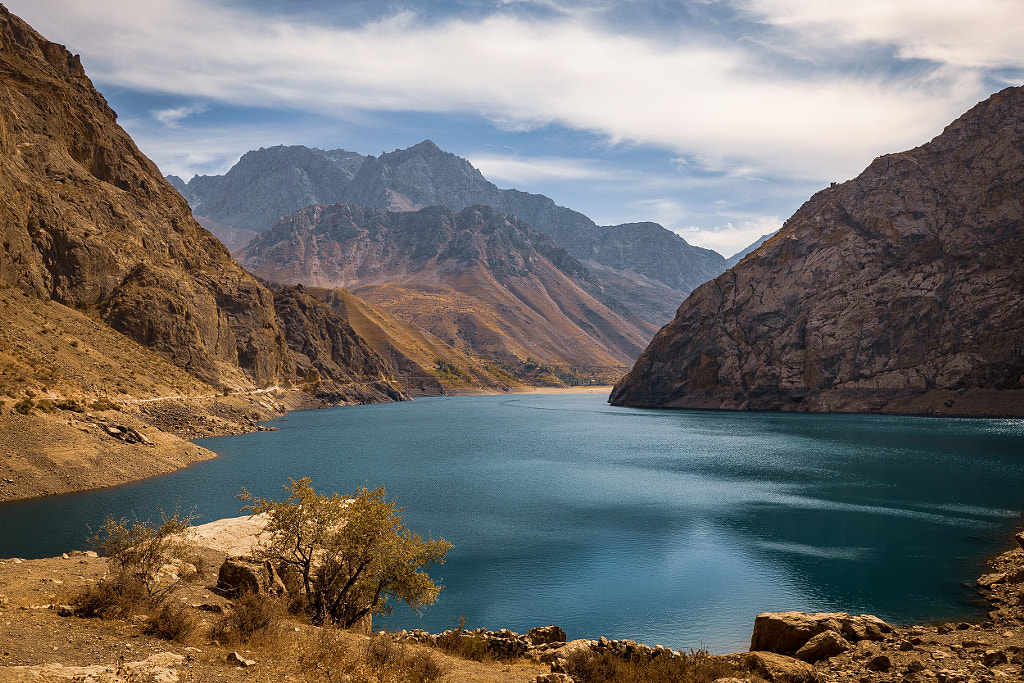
{"points": [[715, 118]]}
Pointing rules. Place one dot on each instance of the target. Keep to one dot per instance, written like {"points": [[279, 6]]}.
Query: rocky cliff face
{"points": [[899, 291], [476, 279], [87, 221], [649, 268]]}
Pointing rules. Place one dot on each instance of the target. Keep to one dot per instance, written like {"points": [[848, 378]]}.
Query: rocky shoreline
{"points": [[786, 647]]}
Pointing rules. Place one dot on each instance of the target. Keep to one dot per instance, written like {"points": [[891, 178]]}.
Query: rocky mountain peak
{"points": [[901, 290]]}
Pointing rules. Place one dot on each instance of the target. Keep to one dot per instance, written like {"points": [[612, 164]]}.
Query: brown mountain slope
{"points": [[121, 317], [478, 280], [424, 364], [899, 291], [88, 221]]}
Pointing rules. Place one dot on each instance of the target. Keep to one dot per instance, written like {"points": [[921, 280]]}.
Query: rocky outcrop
{"points": [[478, 280], [899, 291], [811, 637], [88, 221], [331, 360], [241, 575]]}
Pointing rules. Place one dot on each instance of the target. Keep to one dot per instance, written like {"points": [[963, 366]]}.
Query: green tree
{"points": [[351, 554]]}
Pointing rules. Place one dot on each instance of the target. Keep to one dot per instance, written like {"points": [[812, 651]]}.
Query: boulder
{"points": [[773, 667], [543, 635], [865, 627], [786, 632], [245, 575], [822, 646]]}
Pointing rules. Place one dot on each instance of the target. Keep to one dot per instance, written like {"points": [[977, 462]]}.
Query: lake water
{"points": [[671, 527]]}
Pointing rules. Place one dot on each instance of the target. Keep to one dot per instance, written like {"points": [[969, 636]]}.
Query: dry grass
{"points": [[251, 617], [695, 667]]}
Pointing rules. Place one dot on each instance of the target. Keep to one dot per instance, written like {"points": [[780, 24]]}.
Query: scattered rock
{"points": [[65, 611], [543, 635], [553, 678], [879, 663], [774, 668], [235, 658]]}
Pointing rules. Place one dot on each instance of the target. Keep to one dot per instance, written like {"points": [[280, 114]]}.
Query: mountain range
{"points": [[483, 282], [646, 267], [899, 291]]}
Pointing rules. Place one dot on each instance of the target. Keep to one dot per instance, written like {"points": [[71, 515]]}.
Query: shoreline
{"points": [[848, 647]]}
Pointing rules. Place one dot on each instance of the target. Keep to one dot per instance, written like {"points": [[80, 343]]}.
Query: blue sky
{"points": [[715, 118]]}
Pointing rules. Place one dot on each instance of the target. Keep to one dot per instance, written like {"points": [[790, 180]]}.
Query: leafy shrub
{"points": [[24, 407], [45, 405], [351, 555]]}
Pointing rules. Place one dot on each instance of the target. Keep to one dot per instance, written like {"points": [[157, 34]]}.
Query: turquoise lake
{"points": [[670, 527]]}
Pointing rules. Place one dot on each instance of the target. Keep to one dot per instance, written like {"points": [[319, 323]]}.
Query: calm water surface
{"points": [[670, 527]]}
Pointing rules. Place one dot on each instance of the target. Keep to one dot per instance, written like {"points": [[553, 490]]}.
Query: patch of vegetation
{"points": [[139, 549], [607, 667], [251, 616], [458, 643], [451, 372], [45, 405], [351, 555], [24, 407], [538, 372], [173, 622], [117, 597], [70, 404], [323, 657], [501, 373]]}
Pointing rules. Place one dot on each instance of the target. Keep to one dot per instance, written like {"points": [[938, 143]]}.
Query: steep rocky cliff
{"points": [[476, 279], [86, 220], [899, 291], [648, 267]]}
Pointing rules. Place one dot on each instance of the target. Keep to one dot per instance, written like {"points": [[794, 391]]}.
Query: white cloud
{"points": [[958, 33], [730, 238], [713, 103], [525, 170], [172, 117]]}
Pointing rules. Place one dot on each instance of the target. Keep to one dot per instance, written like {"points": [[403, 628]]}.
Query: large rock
{"points": [[822, 646], [788, 632], [898, 291], [543, 635], [239, 575], [774, 668]]}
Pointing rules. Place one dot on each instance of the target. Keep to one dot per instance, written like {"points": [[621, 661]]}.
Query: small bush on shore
{"points": [[252, 616], [139, 549], [24, 407], [458, 643], [117, 597], [696, 667], [325, 658], [173, 622]]}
